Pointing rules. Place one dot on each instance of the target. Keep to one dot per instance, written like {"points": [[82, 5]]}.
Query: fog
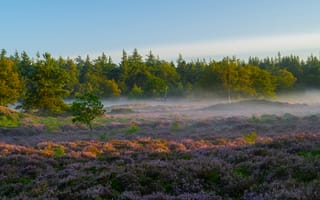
{"points": [[298, 103]]}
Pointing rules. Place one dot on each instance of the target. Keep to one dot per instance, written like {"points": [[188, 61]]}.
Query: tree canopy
{"points": [[10, 85], [42, 83]]}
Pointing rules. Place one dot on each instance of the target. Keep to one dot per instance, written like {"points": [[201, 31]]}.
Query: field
{"points": [[165, 150]]}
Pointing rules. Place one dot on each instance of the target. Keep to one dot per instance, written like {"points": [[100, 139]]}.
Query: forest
{"points": [[44, 82]]}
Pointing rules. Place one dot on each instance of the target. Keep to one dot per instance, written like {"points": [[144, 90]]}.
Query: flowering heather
{"points": [[163, 155], [282, 167]]}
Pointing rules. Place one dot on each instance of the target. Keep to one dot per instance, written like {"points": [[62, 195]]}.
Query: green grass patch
{"points": [[132, 129], [53, 123], [242, 171], [250, 138], [58, 152], [185, 156], [309, 154], [104, 137], [105, 120], [9, 121], [23, 180]]}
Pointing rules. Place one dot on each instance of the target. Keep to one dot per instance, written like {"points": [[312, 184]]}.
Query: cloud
{"points": [[239, 47]]}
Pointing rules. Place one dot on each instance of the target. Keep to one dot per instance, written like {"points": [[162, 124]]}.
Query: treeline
{"points": [[43, 82]]}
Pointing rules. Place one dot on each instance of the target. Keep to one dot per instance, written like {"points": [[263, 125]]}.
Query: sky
{"points": [[208, 29]]}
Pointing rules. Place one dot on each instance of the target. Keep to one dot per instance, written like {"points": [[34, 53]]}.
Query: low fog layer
{"points": [[300, 104]]}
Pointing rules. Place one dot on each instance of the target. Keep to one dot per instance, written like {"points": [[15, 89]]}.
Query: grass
{"points": [[132, 129], [105, 120], [9, 121], [53, 123]]}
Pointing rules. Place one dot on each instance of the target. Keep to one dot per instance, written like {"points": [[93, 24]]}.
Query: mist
{"points": [[302, 103]]}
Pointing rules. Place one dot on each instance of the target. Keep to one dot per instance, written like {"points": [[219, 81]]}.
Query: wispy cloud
{"points": [[238, 47]]}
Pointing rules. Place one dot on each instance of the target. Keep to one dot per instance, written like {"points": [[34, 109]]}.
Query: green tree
{"points": [[229, 73], [210, 80], [262, 82], [72, 81], [94, 78], [284, 79], [45, 87], [154, 87], [136, 92], [86, 108], [167, 72], [10, 85], [123, 73]]}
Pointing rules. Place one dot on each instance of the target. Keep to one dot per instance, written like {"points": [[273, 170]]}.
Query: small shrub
{"points": [[58, 151], [132, 129], [175, 126], [168, 187], [103, 137], [136, 92], [212, 176], [185, 156], [250, 138], [241, 171]]}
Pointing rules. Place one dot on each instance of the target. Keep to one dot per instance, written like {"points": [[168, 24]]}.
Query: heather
{"points": [[165, 151], [283, 167]]}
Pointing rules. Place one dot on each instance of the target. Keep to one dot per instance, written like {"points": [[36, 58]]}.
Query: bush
{"points": [[250, 137], [86, 108], [132, 129]]}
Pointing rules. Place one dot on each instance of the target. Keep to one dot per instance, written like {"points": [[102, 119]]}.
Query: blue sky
{"points": [[194, 28]]}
